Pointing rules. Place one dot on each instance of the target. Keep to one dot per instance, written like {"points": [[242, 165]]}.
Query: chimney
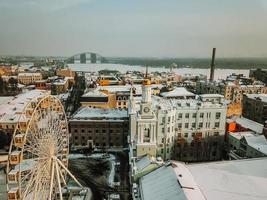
{"points": [[212, 65]]}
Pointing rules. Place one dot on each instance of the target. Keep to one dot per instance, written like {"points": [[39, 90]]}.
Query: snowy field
{"points": [[219, 73]]}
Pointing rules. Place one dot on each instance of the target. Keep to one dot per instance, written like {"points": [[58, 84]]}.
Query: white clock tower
{"points": [[146, 124]]}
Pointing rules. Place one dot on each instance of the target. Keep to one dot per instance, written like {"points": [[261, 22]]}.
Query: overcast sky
{"points": [[141, 28]]}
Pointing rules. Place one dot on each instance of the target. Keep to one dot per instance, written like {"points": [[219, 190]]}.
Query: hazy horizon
{"points": [[140, 28]]}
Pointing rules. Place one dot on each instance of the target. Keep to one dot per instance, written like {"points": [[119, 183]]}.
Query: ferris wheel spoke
{"points": [[46, 139]]}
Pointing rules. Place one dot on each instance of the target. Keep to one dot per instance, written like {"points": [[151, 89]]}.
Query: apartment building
{"points": [[255, 107], [166, 127], [29, 78]]}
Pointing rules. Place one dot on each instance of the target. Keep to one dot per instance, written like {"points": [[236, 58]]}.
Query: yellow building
{"points": [[99, 99], [29, 78], [234, 109], [65, 73], [60, 86]]}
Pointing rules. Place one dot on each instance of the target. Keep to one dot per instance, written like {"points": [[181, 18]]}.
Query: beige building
{"points": [[29, 78], [65, 73], [11, 112], [61, 85], [232, 91]]}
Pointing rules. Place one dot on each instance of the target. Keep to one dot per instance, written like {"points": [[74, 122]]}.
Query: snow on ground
{"points": [[219, 73], [111, 176], [109, 157]]}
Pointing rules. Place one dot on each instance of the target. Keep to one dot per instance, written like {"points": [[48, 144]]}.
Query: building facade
{"points": [[99, 128], [255, 107], [166, 127], [29, 78]]}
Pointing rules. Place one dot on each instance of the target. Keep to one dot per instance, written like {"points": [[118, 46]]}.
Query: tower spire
{"points": [[146, 76]]}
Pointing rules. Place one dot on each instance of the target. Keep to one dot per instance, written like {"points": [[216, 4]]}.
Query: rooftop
{"points": [[261, 97], [161, 184], [94, 93], [86, 113], [12, 109], [177, 92], [247, 123], [232, 180]]}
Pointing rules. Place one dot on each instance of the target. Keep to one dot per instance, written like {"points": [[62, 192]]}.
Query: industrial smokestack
{"points": [[212, 65]]}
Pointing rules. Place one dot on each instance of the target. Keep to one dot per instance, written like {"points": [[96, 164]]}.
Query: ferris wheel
{"points": [[38, 154]]}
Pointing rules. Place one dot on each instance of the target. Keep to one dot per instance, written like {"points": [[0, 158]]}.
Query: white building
{"points": [[158, 125]]}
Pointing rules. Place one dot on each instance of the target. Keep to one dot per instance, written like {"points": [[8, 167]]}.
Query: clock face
{"points": [[146, 109]]}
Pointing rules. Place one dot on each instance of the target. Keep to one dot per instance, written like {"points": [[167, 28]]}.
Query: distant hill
{"points": [[227, 63]]}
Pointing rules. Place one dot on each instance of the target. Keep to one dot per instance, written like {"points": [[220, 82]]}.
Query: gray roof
{"points": [[87, 113], [161, 184], [232, 180], [143, 163]]}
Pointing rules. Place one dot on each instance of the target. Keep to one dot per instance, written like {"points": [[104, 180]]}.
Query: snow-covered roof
{"points": [[94, 93], [232, 180], [258, 142], [86, 113], [249, 124], [4, 100], [262, 97], [177, 92], [212, 95], [10, 111], [29, 74]]}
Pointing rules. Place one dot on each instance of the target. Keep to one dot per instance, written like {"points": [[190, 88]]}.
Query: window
{"points": [[76, 137], [83, 137], [217, 124], [168, 129], [193, 125], [180, 125], [110, 131], [82, 130], [163, 119], [218, 115], [103, 131], [161, 151], [167, 150], [180, 115], [201, 115], [162, 140], [96, 131], [187, 115], [162, 130], [186, 125], [194, 115], [146, 135], [75, 131], [185, 134], [169, 119], [193, 134], [200, 125]]}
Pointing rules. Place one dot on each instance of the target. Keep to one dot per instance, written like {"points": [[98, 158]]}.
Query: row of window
{"points": [[96, 138], [194, 115], [118, 131], [99, 144], [200, 125]]}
